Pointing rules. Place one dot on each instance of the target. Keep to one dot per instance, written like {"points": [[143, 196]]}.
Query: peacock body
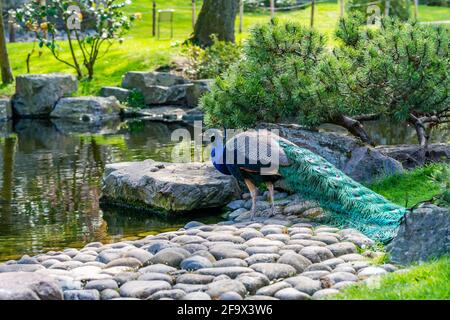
{"points": [[347, 202]]}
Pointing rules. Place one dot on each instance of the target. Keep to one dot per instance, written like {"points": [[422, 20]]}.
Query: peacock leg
{"points": [[272, 197], [253, 192]]}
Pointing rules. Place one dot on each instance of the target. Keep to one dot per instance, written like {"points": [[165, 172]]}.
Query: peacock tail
{"points": [[347, 202]]}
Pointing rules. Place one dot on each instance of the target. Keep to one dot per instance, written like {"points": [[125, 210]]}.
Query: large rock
{"points": [[423, 234], [170, 187], [197, 90], [141, 80], [359, 161], [5, 109], [409, 155], [87, 109], [28, 286], [158, 88], [121, 94], [37, 94]]}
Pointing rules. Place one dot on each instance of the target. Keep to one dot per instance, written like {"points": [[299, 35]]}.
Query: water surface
{"points": [[50, 183]]}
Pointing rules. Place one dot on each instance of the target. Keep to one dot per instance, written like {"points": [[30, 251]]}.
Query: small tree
{"points": [[212, 61], [5, 67], [63, 17]]}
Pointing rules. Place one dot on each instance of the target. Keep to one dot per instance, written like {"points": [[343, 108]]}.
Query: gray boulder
{"points": [[409, 155], [87, 109], [197, 90], [156, 95], [158, 88], [121, 94], [28, 286], [37, 94], [423, 234], [141, 80], [361, 162], [5, 109], [169, 187]]}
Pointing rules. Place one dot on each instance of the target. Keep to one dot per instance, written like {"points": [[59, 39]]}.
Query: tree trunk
{"points": [[5, 67], [216, 17], [422, 137], [313, 11], [354, 127]]}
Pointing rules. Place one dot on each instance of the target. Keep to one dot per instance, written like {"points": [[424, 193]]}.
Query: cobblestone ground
{"points": [[283, 257]]}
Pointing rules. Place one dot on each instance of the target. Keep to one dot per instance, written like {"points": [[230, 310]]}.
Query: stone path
{"points": [[283, 257]]}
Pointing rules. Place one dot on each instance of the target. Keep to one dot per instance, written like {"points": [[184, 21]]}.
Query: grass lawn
{"points": [[427, 281], [141, 51], [411, 187]]}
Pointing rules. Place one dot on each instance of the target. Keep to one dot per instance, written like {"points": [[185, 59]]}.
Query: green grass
{"points": [[411, 187], [142, 52], [427, 281]]}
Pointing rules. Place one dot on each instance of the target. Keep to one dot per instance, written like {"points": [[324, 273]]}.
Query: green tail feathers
{"points": [[348, 202]]}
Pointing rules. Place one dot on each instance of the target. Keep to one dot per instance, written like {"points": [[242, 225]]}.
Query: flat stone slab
{"points": [[167, 187], [87, 109], [162, 113]]}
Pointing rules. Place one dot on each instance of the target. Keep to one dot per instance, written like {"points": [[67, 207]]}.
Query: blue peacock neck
{"points": [[218, 159]]}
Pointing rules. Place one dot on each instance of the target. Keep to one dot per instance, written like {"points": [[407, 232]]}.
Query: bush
{"points": [[398, 8], [136, 99], [213, 61]]}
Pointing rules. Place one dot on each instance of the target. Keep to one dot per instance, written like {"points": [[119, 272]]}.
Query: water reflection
{"points": [[385, 133], [50, 182]]}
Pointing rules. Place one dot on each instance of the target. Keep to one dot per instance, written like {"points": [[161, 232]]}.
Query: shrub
{"points": [[212, 61], [136, 99]]}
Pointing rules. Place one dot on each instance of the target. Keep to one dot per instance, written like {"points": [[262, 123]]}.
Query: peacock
{"points": [[257, 157]]}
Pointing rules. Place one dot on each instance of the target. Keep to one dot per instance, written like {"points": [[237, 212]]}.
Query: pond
{"points": [[50, 181]]}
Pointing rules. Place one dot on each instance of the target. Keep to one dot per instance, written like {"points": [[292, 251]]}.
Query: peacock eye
{"points": [[213, 138]]}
